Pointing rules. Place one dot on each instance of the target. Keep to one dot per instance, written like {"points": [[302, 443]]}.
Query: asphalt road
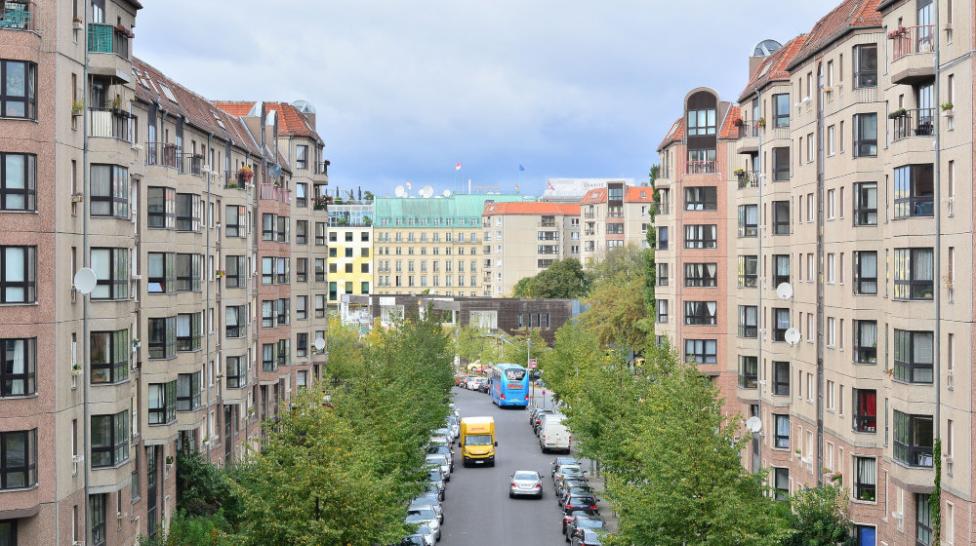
{"points": [[477, 510]]}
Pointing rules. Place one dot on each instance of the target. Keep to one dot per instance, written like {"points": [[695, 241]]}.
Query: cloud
{"points": [[403, 90]]}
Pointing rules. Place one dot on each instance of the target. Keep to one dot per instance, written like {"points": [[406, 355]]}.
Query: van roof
{"points": [[477, 420]]}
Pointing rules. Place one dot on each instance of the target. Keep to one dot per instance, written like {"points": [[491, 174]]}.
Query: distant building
{"points": [[522, 239], [350, 261], [613, 217], [571, 190]]}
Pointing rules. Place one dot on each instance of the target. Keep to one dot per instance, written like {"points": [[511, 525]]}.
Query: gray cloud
{"points": [[405, 89]]}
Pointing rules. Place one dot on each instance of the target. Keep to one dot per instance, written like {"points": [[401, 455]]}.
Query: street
{"points": [[477, 509]]}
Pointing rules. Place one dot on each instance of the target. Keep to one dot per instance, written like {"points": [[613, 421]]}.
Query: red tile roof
{"points": [[849, 15], [729, 129], [291, 122], [773, 68], [633, 194], [675, 134], [531, 208]]}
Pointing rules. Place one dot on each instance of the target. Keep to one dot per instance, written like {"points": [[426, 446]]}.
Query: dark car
{"points": [[574, 502], [580, 522], [484, 386], [570, 514], [537, 422], [578, 491]]}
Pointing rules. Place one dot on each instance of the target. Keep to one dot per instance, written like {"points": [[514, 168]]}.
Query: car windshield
{"points": [[515, 374], [422, 513], [589, 523], [435, 475], [526, 476], [582, 500], [439, 459], [479, 440]]}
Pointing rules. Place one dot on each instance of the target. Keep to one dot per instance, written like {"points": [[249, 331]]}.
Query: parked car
{"points": [[578, 491], [417, 539], [590, 537], [424, 516], [580, 522], [526, 483], [532, 412], [483, 386], [440, 441], [445, 431], [432, 500], [564, 473], [437, 478], [433, 489], [426, 534], [442, 463], [554, 435], [454, 424], [574, 502], [537, 424], [474, 383], [568, 516], [560, 461], [442, 450]]}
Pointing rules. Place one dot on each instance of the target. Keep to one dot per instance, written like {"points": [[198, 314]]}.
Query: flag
{"points": [[457, 166], [521, 168]]}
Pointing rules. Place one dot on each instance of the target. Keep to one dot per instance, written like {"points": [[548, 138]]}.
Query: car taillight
{"points": [[538, 486], [514, 484], [501, 395], [592, 507]]}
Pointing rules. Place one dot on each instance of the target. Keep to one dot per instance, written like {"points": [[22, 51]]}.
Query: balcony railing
{"points": [[163, 154], [270, 192], [17, 15], [110, 123], [104, 38], [909, 123], [701, 167], [322, 167], [914, 40], [749, 129], [748, 179]]}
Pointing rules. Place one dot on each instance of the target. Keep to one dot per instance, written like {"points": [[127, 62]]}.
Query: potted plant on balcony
{"points": [[947, 108], [245, 174], [77, 107], [897, 33], [117, 104], [742, 175], [899, 113], [761, 123], [739, 122]]}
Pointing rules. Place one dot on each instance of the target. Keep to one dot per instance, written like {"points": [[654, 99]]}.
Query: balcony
{"points": [[322, 203], [911, 53], [749, 132], [912, 123], [701, 167], [163, 154], [104, 38], [236, 181], [17, 15], [110, 123], [271, 192], [747, 179]]}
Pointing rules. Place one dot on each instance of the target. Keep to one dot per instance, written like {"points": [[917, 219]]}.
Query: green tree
{"points": [[564, 279], [516, 348], [617, 314], [819, 516]]}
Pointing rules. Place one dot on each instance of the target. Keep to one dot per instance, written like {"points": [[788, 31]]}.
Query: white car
{"points": [[425, 516], [442, 463]]}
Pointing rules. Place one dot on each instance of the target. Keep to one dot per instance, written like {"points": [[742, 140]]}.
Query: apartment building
{"points": [[107, 164], [612, 217], [512, 253], [350, 261], [431, 246], [852, 174], [694, 273]]}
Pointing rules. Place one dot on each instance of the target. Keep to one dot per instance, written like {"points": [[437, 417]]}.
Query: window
{"points": [[700, 198], [236, 372], [282, 352], [111, 266], [267, 314], [234, 222], [320, 234], [781, 164], [301, 344], [781, 269], [18, 89], [701, 122], [235, 275], [188, 391], [781, 482], [781, 111], [162, 337], [162, 273], [160, 207], [18, 459], [97, 504], [109, 439], [162, 403], [748, 372], [865, 410], [320, 269], [781, 378], [923, 515], [914, 190], [866, 204], [748, 321], [748, 271], [865, 65], [701, 351], [110, 356], [913, 439], [301, 195], [189, 331], [781, 323], [831, 140], [18, 274], [913, 274], [701, 313], [662, 278], [865, 478], [364, 286], [748, 220], [661, 307], [301, 156], [865, 272], [701, 236], [320, 305], [781, 431], [235, 320], [18, 181], [189, 270], [301, 269], [865, 135], [865, 341], [301, 232], [913, 356], [699, 275], [781, 217], [189, 211], [282, 311], [662, 240]]}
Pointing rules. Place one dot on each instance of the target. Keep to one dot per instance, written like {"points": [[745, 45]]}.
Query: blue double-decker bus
{"points": [[509, 385]]}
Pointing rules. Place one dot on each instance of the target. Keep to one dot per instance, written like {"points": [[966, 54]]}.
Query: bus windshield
{"points": [[479, 440], [515, 374]]}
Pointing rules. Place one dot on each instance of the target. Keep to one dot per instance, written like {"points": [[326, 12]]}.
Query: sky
{"points": [[405, 90]]}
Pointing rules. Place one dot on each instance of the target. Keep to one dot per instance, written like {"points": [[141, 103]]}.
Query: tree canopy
{"points": [[564, 279]]}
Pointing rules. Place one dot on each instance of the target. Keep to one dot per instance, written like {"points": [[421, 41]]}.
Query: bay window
{"points": [[865, 410], [913, 274], [18, 89], [109, 439], [162, 403], [913, 439], [913, 356], [111, 266], [110, 352], [18, 182], [161, 207]]}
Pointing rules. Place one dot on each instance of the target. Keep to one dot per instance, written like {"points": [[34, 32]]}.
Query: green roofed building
{"points": [[431, 246]]}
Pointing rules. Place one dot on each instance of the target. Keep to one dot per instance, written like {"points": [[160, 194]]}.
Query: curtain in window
{"points": [[867, 403], [867, 333], [866, 471], [922, 264], [783, 426], [783, 266]]}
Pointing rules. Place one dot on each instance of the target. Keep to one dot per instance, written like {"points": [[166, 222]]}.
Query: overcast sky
{"points": [[404, 90]]}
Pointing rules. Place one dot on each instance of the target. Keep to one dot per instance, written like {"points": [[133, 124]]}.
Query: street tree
{"points": [[564, 279]]}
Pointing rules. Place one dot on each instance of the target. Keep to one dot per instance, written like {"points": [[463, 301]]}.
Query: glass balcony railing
{"points": [[104, 38], [16, 15]]}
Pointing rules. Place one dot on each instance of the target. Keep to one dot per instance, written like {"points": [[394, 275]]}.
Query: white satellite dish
{"points": [[447, 193], [319, 343], [399, 191], [792, 336], [426, 192], [784, 291], [754, 424], [409, 185], [85, 280]]}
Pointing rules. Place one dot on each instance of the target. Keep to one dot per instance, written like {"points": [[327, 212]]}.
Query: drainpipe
{"points": [[85, 259], [206, 228], [818, 461], [759, 309], [937, 258]]}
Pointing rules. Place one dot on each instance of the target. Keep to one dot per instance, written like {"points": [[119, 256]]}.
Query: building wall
{"points": [[522, 245]]}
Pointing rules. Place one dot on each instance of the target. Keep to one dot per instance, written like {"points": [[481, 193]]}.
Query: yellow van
{"points": [[478, 440]]}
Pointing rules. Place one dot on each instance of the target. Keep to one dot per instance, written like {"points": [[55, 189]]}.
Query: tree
{"points": [[819, 516], [517, 349], [617, 314], [564, 279]]}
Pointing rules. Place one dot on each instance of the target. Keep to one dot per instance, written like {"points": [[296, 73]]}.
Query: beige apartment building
{"points": [[614, 216], [105, 163], [512, 253], [853, 189]]}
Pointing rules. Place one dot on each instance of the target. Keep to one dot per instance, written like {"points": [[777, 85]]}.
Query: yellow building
{"points": [[350, 261]]}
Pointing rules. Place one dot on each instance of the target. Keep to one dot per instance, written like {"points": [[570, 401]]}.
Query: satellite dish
{"points": [[766, 48], [754, 424], [400, 192], [409, 185], [85, 280], [784, 291], [447, 193], [426, 192], [319, 343], [792, 336]]}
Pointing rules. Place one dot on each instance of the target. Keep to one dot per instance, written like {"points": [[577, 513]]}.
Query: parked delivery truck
{"points": [[478, 440]]}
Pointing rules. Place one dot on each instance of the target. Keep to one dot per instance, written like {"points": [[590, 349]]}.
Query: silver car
{"points": [[526, 483], [429, 503], [425, 516], [442, 463]]}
